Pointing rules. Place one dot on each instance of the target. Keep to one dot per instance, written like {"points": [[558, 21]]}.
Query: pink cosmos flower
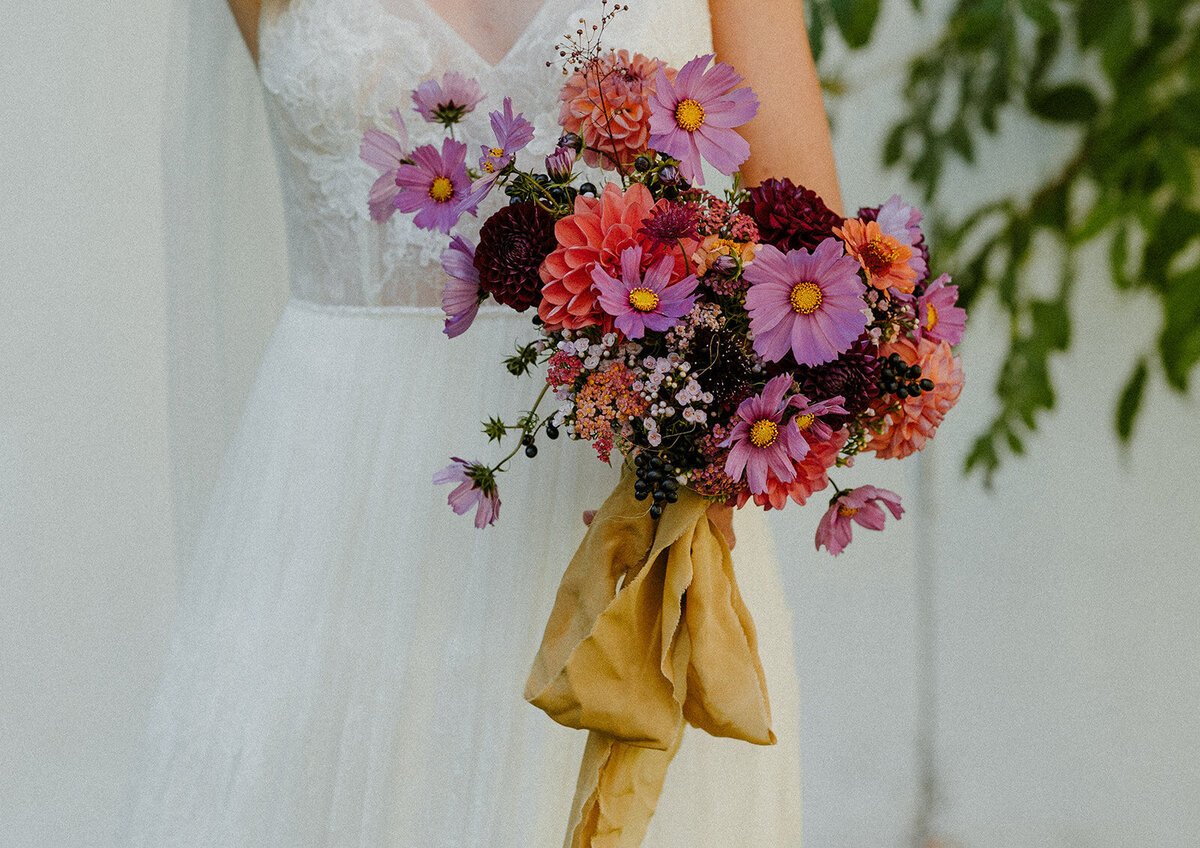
{"points": [[512, 134], [937, 316], [808, 303], [644, 302], [693, 118], [860, 505], [446, 103], [760, 441], [476, 488], [436, 186], [462, 295], [385, 153]]}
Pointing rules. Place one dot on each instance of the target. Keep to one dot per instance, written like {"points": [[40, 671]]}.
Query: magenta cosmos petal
{"points": [[447, 102], [808, 303], [462, 294], [470, 491], [759, 441], [640, 302], [436, 186], [385, 153], [859, 505], [693, 118]]}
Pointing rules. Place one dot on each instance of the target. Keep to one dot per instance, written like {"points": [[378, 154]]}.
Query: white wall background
{"points": [[1053, 620]]}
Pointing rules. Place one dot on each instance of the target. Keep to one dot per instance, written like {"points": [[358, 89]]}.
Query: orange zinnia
{"points": [[883, 257], [904, 430]]}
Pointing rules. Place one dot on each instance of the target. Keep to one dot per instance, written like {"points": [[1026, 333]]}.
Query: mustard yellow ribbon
{"points": [[648, 630]]}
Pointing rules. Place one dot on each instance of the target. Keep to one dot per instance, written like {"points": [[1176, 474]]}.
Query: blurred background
{"points": [[1007, 667]]}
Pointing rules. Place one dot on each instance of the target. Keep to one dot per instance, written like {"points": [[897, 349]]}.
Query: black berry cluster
{"points": [[654, 481], [899, 378]]}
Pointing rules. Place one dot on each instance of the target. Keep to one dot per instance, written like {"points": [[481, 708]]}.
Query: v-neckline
{"points": [[439, 21]]}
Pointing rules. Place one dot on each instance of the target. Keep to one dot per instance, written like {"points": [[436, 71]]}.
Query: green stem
{"points": [[524, 431]]}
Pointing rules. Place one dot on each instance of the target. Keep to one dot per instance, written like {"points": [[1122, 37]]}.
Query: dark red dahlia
{"points": [[512, 244], [789, 216], [854, 375], [670, 221]]}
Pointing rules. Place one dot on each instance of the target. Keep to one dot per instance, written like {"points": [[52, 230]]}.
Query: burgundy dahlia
{"points": [[670, 221], [512, 244], [854, 375], [789, 216]]}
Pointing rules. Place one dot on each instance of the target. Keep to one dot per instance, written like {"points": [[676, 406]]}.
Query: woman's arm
{"points": [[767, 42], [246, 13]]}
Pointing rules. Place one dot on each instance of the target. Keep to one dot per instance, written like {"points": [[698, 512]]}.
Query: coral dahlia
{"points": [[597, 232], [607, 104], [904, 429]]}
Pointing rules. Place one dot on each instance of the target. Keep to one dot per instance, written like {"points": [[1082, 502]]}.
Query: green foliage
{"points": [[1124, 76]]}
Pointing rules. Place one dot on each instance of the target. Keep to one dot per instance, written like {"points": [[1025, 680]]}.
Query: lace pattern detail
{"points": [[333, 68]]}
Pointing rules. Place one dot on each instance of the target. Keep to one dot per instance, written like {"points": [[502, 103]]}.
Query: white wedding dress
{"points": [[349, 655]]}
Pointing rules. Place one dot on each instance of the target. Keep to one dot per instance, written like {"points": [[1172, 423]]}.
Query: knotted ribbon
{"points": [[648, 630]]}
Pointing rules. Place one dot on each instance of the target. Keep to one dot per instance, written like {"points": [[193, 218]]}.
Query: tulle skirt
{"points": [[349, 656]]}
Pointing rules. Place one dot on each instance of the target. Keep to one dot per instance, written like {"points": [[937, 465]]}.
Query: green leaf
{"points": [[1041, 13], [1068, 103], [1130, 402], [983, 457], [816, 31], [1179, 342], [1094, 20], [1184, 115], [893, 145], [1118, 257], [960, 140], [1103, 212], [855, 19], [1051, 324]]}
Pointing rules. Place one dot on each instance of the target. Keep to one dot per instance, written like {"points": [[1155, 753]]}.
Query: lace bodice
{"points": [[333, 68]]}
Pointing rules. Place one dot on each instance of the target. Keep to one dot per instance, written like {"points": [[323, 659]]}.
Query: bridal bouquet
{"points": [[731, 346]]}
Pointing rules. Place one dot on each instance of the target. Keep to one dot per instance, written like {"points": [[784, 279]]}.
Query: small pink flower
{"points": [[937, 316], [644, 302], [462, 295], [476, 487], [760, 441], [385, 153], [860, 505], [512, 133], [447, 102], [693, 117], [436, 186]]}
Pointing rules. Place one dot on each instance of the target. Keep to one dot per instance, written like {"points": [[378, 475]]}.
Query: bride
{"points": [[348, 658]]}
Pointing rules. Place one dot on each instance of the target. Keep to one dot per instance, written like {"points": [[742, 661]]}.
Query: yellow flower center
{"points": [[847, 510], [441, 189], [931, 319], [805, 421], [763, 433], [689, 115], [643, 300], [805, 297], [880, 253], [496, 151]]}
